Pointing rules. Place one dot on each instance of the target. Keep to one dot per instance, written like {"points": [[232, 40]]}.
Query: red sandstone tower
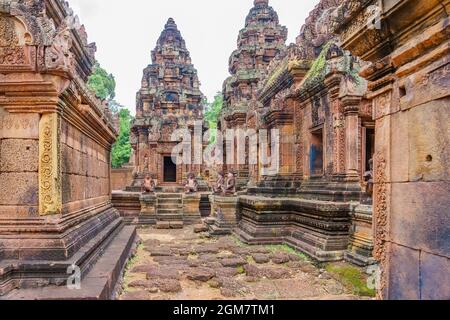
{"points": [[169, 99], [258, 43]]}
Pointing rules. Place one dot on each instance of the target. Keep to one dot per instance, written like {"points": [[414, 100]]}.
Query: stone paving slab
{"points": [[198, 267]]}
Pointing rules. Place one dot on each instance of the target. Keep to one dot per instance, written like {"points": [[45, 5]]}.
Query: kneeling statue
{"points": [[192, 184], [230, 186], [219, 187], [148, 186]]}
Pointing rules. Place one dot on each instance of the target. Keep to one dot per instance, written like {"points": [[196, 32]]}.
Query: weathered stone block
{"points": [[148, 204], [425, 205], [435, 271], [176, 225], [399, 147], [404, 273], [163, 225], [20, 126], [19, 188], [429, 141], [19, 155]]}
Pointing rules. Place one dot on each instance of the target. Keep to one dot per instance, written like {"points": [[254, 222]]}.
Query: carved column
{"points": [[333, 83], [351, 108], [50, 199], [143, 149]]}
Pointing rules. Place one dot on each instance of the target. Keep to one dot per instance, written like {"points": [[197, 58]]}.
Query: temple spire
{"points": [[170, 24], [261, 2]]}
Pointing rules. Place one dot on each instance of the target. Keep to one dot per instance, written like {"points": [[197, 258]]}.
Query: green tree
{"points": [[121, 151], [102, 83], [115, 106], [212, 114]]}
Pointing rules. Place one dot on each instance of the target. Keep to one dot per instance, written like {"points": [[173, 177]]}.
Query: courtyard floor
{"points": [[183, 265]]}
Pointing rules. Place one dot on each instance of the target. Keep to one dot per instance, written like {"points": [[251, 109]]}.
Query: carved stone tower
{"points": [[259, 42], [169, 99]]}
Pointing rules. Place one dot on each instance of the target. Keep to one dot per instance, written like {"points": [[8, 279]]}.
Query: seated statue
{"points": [[149, 185], [369, 179], [191, 184], [219, 187], [230, 186]]}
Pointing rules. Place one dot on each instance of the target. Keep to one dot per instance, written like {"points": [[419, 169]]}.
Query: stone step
{"points": [[169, 211], [170, 225], [169, 196], [169, 218], [99, 283], [170, 201], [170, 206]]}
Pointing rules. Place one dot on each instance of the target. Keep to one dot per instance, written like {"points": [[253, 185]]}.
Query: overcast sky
{"points": [[126, 32]]}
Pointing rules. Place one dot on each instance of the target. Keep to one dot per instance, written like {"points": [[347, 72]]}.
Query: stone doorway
{"points": [[170, 170], [316, 153]]}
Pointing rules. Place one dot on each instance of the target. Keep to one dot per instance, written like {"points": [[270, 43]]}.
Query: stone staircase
{"points": [[169, 210]]}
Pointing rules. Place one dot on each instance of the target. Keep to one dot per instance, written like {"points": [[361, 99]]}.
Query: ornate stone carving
{"points": [[49, 165], [11, 51], [8, 35], [381, 218], [58, 57]]}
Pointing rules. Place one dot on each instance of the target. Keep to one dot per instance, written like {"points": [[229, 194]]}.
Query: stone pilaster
{"points": [[352, 136], [50, 198], [225, 214], [191, 208]]}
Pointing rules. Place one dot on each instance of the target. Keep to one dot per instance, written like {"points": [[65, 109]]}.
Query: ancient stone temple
{"points": [[406, 44], [314, 99], [56, 216], [169, 99], [258, 43], [169, 109]]}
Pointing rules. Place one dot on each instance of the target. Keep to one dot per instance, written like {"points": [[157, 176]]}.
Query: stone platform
{"points": [[224, 214], [318, 228], [167, 208], [129, 206], [102, 262]]}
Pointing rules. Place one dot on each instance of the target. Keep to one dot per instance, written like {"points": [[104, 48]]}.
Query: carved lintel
{"points": [[50, 199]]}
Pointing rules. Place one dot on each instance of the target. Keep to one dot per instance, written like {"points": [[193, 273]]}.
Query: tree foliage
{"points": [[121, 151], [102, 83], [212, 114]]}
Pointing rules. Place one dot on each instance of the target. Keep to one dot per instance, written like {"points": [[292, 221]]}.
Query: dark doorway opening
{"points": [[316, 156], [170, 170], [370, 146]]}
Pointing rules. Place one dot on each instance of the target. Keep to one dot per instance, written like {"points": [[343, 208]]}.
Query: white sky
{"points": [[127, 31]]}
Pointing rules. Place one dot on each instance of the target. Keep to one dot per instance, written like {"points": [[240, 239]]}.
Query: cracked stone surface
{"points": [[185, 265]]}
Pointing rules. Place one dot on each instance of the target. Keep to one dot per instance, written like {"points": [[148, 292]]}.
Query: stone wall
{"points": [[409, 85], [85, 169], [19, 152], [55, 144], [121, 178]]}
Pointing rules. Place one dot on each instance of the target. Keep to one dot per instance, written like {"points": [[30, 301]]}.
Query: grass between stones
{"points": [[287, 249], [352, 277], [241, 270]]}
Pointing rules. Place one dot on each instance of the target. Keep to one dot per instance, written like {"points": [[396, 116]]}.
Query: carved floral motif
{"points": [[381, 218]]}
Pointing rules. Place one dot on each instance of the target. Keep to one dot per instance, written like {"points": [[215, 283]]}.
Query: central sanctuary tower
{"points": [[169, 99]]}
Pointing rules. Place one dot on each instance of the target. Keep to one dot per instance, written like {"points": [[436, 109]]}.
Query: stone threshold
{"points": [[100, 283]]}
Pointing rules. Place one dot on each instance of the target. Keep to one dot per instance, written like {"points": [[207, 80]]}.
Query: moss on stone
{"points": [[241, 270], [287, 249], [317, 70], [352, 277]]}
